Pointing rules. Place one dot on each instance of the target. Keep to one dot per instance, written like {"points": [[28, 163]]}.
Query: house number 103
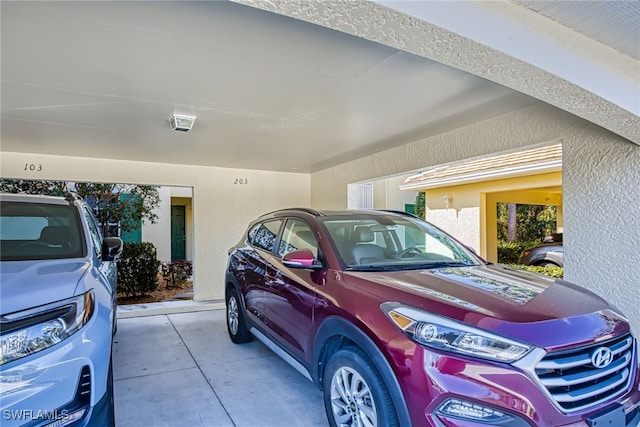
{"points": [[32, 167]]}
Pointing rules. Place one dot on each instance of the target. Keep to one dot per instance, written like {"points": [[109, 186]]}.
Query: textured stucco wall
{"points": [[396, 199], [462, 218], [601, 196], [380, 194], [221, 209], [159, 233], [386, 194], [463, 224]]}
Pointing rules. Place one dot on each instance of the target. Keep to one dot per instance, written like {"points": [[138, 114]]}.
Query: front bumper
{"points": [[65, 382], [631, 419], [497, 389]]}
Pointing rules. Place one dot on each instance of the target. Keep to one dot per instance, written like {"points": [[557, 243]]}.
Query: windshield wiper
{"points": [[440, 264], [372, 268]]}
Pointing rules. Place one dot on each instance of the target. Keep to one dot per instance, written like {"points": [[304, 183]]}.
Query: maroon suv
{"points": [[401, 325]]}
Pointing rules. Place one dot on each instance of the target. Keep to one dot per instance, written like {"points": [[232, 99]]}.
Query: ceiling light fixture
{"points": [[182, 123]]}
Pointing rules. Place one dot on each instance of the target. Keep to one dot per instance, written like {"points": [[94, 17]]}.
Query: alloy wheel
{"points": [[352, 403], [232, 315]]}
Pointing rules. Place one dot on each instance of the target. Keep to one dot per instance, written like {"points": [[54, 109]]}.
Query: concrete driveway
{"points": [[180, 369]]}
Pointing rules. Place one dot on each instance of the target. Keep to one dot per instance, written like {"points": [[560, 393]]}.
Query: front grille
{"points": [[575, 383]]}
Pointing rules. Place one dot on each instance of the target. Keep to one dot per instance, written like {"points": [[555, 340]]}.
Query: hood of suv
{"points": [[511, 302], [26, 284]]}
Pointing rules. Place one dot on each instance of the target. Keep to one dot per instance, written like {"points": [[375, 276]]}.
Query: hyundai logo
{"points": [[602, 357]]}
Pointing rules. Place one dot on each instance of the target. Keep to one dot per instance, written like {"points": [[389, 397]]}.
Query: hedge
{"points": [[138, 269], [509, 252], [176, 273], [557, 272]]}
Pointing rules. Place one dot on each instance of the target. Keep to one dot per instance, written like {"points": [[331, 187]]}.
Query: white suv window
{"points": [[96, 237], [21, 228], [37, 231]]}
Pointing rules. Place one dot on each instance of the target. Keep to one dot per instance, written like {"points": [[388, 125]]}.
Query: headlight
{"points": [[448, 335], [29, 331]]}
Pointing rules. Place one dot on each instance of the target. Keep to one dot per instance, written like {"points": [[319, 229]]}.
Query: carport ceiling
{"points": [[100, 79]]}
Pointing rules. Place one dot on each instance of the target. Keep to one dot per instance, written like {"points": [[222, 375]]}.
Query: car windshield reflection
{"points": [[390, 243]]}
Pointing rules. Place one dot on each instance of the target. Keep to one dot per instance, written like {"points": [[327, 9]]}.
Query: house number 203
{"points": [[32, 167], [241, 181]]}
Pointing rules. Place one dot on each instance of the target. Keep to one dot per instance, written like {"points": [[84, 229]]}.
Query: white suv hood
{"points": [[27, 284]]}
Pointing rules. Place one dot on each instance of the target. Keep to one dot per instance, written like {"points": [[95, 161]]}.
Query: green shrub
{"points": [[509, 252], [138, 269], [421, 205], [175, 273], [549, 271]]}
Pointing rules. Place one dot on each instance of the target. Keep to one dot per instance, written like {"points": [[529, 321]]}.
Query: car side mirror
{"points": [[111, 248], [302, 258]]}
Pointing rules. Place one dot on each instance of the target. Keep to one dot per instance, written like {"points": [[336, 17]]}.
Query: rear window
{"points": [[264, 234], [36, 231]]}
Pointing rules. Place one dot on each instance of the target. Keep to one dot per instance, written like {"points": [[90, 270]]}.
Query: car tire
{"points": [[548, 264], [355, 393], [236, 323]]}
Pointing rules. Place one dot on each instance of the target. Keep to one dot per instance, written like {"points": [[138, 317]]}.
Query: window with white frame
{"points": [[364, 196]]}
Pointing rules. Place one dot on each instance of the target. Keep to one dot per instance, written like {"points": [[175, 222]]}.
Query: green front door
{"points": [[178, 237]]}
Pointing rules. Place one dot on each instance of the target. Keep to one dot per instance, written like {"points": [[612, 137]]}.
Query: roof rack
{"points": [[72, 197], [401, 213], [306, 210]]}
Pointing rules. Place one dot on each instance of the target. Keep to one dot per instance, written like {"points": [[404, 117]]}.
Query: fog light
{"points": [[472, 411]]}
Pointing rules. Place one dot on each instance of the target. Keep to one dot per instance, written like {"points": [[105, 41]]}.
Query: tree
{"points": [[421, 205], [123, 204], [512, 222], [25, 186], [534, 222]]}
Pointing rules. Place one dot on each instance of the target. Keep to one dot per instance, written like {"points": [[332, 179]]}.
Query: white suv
{"points": [[57, 313]]}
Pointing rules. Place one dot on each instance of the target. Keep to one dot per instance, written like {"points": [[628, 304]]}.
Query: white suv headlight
{"points": [[29, 331], [448, 335]]}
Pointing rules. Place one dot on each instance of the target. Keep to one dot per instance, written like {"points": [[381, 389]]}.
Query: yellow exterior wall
{"points": [[188, 223], [539, 189]]}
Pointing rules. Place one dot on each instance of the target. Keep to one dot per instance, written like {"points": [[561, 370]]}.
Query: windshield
{"points": [[36, 231], [387, 242]]}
